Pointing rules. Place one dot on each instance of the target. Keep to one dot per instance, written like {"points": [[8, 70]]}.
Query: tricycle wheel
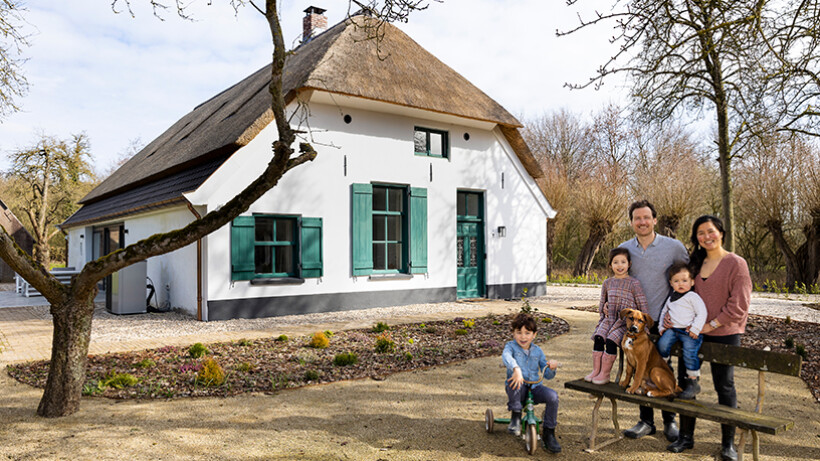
{"points": [[488, 420], [531, 439]]}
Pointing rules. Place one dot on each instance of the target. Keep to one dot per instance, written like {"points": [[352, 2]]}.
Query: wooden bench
{"points": [[62, 274], [748, 422]]}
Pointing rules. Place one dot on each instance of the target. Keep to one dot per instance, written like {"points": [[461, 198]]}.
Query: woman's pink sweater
{"points": [[727, 293]]}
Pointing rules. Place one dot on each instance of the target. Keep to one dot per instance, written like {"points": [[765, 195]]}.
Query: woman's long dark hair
{"points": [[698, 253]]}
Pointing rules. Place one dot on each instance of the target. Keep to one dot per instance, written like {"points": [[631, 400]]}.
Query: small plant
{"points": [[244, 342], [788, 319], [282, 338], [146, 363], [496, 322], [801, 351], [408, 356], [311, 375], [380, 327], [547, 320], [468, 323], [430, 330], [422, 326], [118, 380], [244, 367], [328, 333], [198, 350], [279, 381], [384, 343], [305, 356], [525, 307], [319, 341], [345, 358], [411, 340], [211, 374], [92, 388], [461, 332]]}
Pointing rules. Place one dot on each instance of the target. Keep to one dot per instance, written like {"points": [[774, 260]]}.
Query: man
{"points": [[651, 255]]}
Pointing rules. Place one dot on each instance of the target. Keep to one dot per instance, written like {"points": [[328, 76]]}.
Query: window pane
{"points": [[284, 230], [420, 141], [436, 144], [378, 227], [396, 201], [473, 252], [472, 204], [284, 259], [460, 252], [394, 256], [379, 256], [264, 229], [380, 199], [394, 228], [263, 258], [461, 206]]}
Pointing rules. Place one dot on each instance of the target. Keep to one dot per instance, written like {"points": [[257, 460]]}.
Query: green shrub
{"points": [[319, 341], [244, 342], [384, 343], [92, 388], [461, 331], [118, 380], [198, 350], [411, 340], [546, 320], [408, 356], [468, 323], [311, 375], [788, 319], [801, 351], [211, 374], [282, 338], [244, 367], [146, 363], [345, 358], [496, 322], [380, 327], [789, 343], [328, 333]]}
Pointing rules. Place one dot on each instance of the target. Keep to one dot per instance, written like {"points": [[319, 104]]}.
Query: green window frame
{"points": [[431, 143], [267, 246], [389, 225]]}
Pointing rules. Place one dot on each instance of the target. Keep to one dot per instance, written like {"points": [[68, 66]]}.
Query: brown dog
{"points": [[652, 374]]}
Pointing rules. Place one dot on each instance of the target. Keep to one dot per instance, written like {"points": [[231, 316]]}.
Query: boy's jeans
{"points": [[690, 348], [540, 394]]}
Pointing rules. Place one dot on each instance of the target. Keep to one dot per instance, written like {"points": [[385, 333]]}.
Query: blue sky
{"points": [[119, 78]]}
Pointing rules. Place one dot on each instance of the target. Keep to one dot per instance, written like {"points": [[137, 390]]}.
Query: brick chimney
{"points": [[314, 23]]}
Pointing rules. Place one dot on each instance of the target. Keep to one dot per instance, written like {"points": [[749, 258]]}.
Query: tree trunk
{"points": [[794, 270], [42, 253], [597, 234], [668, 225], [69, 356], [550, 243]]}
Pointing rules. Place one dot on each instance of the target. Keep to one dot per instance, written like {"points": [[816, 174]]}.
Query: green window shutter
{"points": [[242, 248], [362, 210], [311, 247], [418, 230]]}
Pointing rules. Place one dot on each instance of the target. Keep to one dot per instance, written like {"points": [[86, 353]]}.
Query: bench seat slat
{"points": [[711, 411], [755, 359]]}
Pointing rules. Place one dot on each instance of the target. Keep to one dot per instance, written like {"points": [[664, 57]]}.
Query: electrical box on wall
{"points": [[128, 290]]}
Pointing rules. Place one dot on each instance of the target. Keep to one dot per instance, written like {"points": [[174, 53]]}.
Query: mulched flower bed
{"points": [[764, 331], [269, 365]]}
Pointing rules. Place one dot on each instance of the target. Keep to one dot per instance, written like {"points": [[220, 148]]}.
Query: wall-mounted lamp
{"points": [[125, 231], [502, 231]]}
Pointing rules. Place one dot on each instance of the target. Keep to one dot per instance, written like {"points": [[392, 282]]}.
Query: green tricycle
{"points": [[530, 424]]}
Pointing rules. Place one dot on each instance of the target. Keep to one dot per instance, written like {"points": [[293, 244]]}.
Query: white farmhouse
{"points": [[423, 190]]}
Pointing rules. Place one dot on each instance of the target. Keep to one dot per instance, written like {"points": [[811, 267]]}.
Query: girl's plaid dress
{"points": [[617, 294]]}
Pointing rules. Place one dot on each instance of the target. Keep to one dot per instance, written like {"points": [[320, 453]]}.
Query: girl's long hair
{"points": [[698, 253]]}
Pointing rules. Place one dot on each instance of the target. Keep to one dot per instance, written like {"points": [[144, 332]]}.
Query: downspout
{"points": [[198, 268], [65, 238]]}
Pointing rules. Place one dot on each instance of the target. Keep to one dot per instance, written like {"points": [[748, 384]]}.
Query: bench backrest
{"points": [[755, 359]]}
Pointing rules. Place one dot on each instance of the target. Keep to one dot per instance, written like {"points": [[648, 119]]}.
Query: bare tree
{"points": [[49, 176], [72, 306], [687, 55], [13, 83]]}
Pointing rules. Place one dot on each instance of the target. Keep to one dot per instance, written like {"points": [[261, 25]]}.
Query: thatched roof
{"points": [[341, 60]]}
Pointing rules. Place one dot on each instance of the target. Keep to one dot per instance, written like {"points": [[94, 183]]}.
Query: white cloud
{"points": [[118, 78]]}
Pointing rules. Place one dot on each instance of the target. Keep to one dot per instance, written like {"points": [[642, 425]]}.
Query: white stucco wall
{"points": [[378, 147]]}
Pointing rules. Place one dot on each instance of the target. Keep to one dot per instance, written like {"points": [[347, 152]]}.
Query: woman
{"points": [[722, 279]]}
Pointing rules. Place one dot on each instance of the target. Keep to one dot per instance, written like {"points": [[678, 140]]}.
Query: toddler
{"points": [[618, 292], [524, 362], [686, 313]]}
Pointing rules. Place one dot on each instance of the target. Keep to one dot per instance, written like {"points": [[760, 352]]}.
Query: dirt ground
{"points": [[434, 414]]}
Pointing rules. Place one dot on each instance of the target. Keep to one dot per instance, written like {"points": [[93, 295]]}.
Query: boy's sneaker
{"points": [[515, 423], [691, 389]]}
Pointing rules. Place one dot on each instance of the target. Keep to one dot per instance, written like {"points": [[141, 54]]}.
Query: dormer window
{"points": [[431, 143]]}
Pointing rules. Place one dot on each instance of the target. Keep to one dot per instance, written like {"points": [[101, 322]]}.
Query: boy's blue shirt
{"points": [[530, 364]]}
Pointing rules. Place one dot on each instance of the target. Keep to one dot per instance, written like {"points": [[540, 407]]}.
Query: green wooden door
{"points": [[470, 246]]}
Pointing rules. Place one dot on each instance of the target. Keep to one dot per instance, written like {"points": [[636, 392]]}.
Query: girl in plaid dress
{"points": [[618, 292]]}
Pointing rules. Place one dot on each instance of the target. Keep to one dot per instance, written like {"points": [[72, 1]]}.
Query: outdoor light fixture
{"points": [[502, 231]]}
